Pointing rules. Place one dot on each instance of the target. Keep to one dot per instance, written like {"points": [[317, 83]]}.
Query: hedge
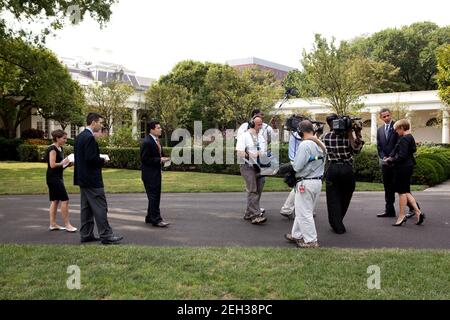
{"points": [[433, 164], [8, 149]]}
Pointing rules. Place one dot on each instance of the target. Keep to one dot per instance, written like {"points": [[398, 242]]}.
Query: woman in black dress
{"points": [[402, 158], [55, 182]]}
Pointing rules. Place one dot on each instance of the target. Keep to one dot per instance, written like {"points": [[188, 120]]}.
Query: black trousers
{"points": [[94, 207], [389, 190], [153, 190], [340, 185]]}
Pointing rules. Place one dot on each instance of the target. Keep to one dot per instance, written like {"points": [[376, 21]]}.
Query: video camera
{"points": [[292, 124], [346, 123]]}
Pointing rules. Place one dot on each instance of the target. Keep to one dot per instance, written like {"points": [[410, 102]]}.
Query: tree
{"points": [[68, 107], [53, 14], [443, 75], [411, 49], [109, 100], [234, 94], [31, 78], [166, 102], [191, 75], [337, 75]]}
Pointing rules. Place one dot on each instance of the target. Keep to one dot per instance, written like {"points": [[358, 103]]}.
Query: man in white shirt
{"points": [[248, 150], [265, 133]]}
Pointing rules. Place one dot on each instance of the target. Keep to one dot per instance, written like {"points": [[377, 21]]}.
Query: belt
{"points": [[340, 162], [315, 178]]}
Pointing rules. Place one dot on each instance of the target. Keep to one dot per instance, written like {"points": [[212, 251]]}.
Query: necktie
{"points": [[159, 146], [386, 131]]}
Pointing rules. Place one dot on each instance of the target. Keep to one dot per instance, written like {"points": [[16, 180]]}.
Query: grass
{"points": [[29, 178], [131, 272]]}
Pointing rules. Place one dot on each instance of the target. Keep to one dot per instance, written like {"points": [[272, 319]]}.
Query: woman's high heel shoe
{"points": [[421, 219], [400, 224]]}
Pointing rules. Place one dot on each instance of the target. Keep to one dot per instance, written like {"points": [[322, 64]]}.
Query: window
{"points": [[367, 123], [73, 131], [432, 122], [40, 126]]}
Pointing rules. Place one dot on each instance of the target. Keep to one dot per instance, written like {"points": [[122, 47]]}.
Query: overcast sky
{"points": [[151, 36]]}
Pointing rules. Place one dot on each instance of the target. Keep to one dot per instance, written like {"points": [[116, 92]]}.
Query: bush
{"points": [[8, 149], [123, 158], [123, 138], [32, 134], [425, 172], [37, 142], [442, 159], [366, 166], [29, 153]]}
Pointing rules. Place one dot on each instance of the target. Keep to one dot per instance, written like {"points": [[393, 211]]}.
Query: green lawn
{"points": [[29, 178], [131, 272]]}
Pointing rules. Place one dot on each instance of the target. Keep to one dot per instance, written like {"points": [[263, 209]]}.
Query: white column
{"points": [[51, 127], [373, 127], [134, 121], [408, 117], [18, 131], [445, 130]]}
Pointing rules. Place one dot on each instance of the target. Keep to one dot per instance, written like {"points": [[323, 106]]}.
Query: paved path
{"points": [[443, 187], [215, 219]]}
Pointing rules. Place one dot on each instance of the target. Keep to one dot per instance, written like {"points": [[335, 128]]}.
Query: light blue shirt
{"points": [[305, 168], [294, 142]]}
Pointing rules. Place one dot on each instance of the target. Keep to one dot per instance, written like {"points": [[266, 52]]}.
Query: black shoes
{"points": [[112, 240], [89, 239], [386, 215], [421, 219], [161, 224], [401, 223]]}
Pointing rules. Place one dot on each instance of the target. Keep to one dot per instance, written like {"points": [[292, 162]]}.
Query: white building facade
{"points": [[428, 115]]}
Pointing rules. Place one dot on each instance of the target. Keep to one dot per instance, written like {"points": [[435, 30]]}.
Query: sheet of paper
{"points": [[105, 156], [167, 163]]}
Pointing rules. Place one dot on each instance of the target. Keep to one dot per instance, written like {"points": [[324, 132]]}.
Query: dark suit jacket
{"points": [[88, 164], [150, 160], [384, 146], [403, 153]]}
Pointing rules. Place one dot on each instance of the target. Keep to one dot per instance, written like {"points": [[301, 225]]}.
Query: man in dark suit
{"points": [[152, 159], [88, 175], [386, 140]]}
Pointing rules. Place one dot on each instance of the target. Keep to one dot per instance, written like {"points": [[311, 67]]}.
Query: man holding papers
{"points": [[152, 159], [88, 175]]}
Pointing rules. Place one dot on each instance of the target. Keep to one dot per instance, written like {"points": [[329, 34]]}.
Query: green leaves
{"points": [[32, 78], [443, 75], [109, 100], [53, 14], [219, 95]]}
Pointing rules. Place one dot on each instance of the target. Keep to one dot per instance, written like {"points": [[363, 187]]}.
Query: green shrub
{"points": [[366, 166], [424, 172], [123, 158], [8, 149], [123, 138], [29, 153], [442, 159]]}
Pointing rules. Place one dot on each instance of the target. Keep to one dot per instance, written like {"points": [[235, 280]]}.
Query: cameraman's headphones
{"points": [[251, 123]]}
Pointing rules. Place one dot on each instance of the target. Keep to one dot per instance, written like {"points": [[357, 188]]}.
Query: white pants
{"points": [[289, 205], [305, 202]]}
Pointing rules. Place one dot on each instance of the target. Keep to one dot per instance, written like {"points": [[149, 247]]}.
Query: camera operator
{"points": [[288, 208], [341, 145], [248, 150], [309, 167], [265, 133]]}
